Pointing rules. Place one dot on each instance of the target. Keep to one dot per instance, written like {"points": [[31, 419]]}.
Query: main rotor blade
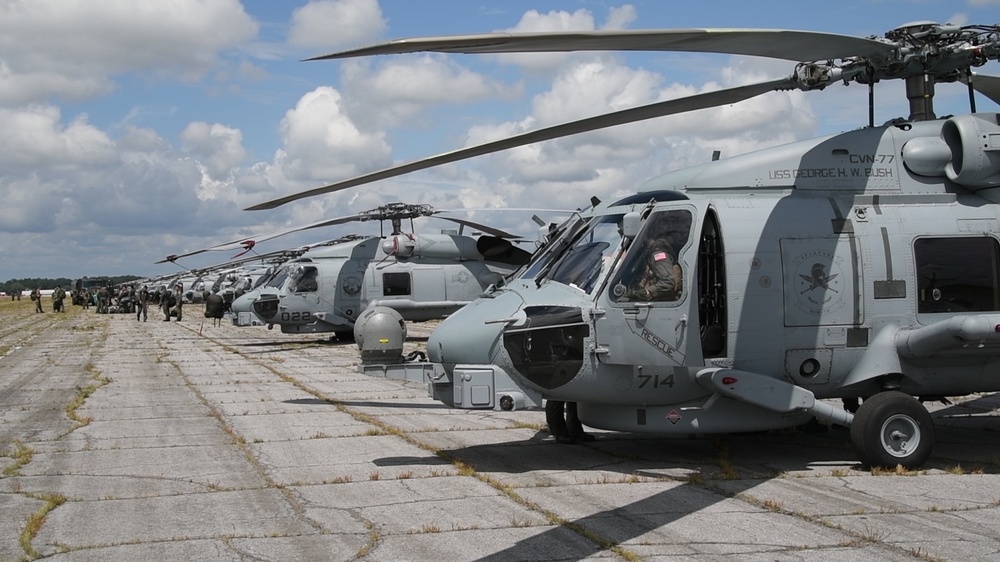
{"points": [[487, 229], [987, 85], [775, 43], [660, 109], [248, 242], [320, 224]]}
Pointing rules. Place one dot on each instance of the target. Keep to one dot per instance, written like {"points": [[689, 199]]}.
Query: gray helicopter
{"points": [[743, 293], [422, 276]]}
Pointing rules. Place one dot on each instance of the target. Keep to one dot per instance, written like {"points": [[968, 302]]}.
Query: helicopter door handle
{"points": [[681, 323]]}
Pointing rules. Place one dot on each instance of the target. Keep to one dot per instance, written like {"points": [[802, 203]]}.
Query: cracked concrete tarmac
{"points": [[124, 440]]}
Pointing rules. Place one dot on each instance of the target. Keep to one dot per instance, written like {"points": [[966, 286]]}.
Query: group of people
{"points": [[58, 296], [171, 302], [103, 299]]}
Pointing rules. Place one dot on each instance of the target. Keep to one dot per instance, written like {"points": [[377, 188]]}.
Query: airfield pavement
{"points": [[124, 440]]}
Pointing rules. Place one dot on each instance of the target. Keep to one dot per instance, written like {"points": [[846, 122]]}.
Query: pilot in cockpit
{"points": [[661, 277]]}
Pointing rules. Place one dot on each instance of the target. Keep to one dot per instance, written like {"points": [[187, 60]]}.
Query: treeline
{"points": [[16, 285]]}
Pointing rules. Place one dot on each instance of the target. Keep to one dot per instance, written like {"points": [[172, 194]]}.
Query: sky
{"points": [[130, 131]]}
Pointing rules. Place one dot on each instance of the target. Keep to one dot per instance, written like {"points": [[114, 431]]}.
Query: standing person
{"points": [[103, 300], [166, 303], [36, 295], [142, 304], [57, 299], [179, 297]]}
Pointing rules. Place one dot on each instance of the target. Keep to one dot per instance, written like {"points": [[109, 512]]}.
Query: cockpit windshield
{"points": [[259, 281], [587, 256], [547, 254], [278, 279]]}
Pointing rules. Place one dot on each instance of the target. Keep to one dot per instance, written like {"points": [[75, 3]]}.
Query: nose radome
{"points": [[471, 335]]}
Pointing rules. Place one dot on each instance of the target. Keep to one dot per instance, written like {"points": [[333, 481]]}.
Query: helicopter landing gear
{"points": [[563, 422], [344, 336], [892, 428]]}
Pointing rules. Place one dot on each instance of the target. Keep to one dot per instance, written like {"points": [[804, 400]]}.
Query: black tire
{"points": [[892, 428]]}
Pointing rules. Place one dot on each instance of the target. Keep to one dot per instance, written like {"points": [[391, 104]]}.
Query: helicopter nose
{"points": [[245, 302], [266, 306], [472, 335]]}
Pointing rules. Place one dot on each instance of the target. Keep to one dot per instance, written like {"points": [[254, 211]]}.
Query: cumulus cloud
{"points": [[557, 20], [389, 94], [71, 48], [73, 175], [322, 144], [34, 138], [329, 24], [218, 147]]}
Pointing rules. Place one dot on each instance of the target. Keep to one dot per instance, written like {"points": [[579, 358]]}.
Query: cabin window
{"points": [[652, 271], [306, 280], [395, 284], [957, 274]]}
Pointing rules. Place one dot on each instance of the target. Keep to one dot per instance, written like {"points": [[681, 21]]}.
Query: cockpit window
{"points": [[652, 271], [590, 255], [305, 280]]}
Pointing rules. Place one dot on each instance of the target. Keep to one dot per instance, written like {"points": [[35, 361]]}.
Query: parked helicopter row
{"points": [[326, 287], [861, 265]]}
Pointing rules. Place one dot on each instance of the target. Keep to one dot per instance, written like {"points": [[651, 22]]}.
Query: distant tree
{"points": [[29, 283]]}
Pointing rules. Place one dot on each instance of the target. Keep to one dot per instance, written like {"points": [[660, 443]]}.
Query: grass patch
{"points": [[34, 523], [897, 470], [22, 455], [83, 393]]}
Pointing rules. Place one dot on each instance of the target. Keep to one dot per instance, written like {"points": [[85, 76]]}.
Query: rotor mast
{"points": [[920, 93]]}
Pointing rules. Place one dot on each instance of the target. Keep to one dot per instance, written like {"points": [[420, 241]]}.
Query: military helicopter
{"points": [[861, 265], [423, 276]]}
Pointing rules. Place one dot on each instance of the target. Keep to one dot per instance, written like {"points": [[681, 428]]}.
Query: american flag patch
{"points": [[659, 256]]}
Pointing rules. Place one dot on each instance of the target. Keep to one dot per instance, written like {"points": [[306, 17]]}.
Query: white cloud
{"points": [[34, 138], [532, 22], [335, 23], [322, 144], [620, 17], [73, 178], [406, 86], [218, 147], [71, 48]]}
